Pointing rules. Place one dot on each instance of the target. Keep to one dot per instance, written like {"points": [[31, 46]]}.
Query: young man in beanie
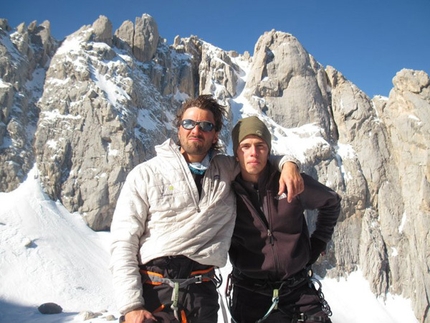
{"points": [[271, 251]]}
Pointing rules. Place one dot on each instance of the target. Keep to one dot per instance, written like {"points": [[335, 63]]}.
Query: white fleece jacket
{"points": [[159, 213]]}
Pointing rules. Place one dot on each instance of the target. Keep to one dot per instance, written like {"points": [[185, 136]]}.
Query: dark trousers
{"points": [[298, 304], [198, 302]]}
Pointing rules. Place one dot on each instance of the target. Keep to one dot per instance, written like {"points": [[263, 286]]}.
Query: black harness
{"points": [[303, 277]]}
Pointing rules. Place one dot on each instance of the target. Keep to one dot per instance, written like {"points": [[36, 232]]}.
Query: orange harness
{"points": [[196, 277]]}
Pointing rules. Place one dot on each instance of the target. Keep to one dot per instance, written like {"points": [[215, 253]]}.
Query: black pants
{"points": [[198, 302], [300, 303]]}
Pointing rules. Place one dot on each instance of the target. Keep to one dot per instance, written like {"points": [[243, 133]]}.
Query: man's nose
{"points": [[254, 150], [196, 129]]}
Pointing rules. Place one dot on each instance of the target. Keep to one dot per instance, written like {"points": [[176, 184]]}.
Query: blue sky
{"points": [[368, 41]]}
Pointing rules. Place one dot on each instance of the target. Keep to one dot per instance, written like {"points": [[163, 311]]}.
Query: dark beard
{"points": [[195, 148]]}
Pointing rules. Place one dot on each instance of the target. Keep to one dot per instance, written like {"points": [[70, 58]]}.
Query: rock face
{"points": [[102, 30], [141, 38], [91, 108], [405, 200], [24, 55], [284, 78]]}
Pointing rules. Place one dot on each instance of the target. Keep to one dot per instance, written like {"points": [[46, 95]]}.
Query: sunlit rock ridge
{"points": [[89, 108]]}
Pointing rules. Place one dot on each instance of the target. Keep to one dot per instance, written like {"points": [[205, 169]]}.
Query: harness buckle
{"points": [[199, 279], [275, 298], [301, 317], [175, 299]]}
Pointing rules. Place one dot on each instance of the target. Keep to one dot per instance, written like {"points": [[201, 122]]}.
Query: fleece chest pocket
{"points": [[168, 198]]}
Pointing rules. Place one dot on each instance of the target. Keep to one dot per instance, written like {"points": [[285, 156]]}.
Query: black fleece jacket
{"points": [[271, 237]]}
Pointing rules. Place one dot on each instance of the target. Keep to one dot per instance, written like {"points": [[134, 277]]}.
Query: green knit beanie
{"points": [[250, 126]]}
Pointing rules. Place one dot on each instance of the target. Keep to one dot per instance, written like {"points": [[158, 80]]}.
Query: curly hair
{"points": [[204, 102]]}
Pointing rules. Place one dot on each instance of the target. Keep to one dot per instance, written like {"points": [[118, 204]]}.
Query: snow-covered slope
{"points": [[48, 255]]}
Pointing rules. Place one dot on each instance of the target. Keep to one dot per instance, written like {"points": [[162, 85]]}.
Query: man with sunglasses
{"points": [[174, 220]]}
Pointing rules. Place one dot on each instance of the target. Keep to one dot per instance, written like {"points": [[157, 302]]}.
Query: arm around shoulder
{"points": [[290, 181]]}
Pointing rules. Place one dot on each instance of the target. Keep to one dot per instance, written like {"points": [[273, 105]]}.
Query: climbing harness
{"points": [[196, 277], [325, 307], [274, 306], [228, 288], [291, 284]]}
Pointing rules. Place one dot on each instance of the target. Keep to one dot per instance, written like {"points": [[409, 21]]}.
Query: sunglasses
{"points": [[189, 124]]}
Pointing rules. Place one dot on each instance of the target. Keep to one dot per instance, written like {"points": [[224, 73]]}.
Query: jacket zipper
{"points": [[269, 231], [190, 183], [269, 219], [268, 225], [262, 217], [266, 222], [272, 239]]}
